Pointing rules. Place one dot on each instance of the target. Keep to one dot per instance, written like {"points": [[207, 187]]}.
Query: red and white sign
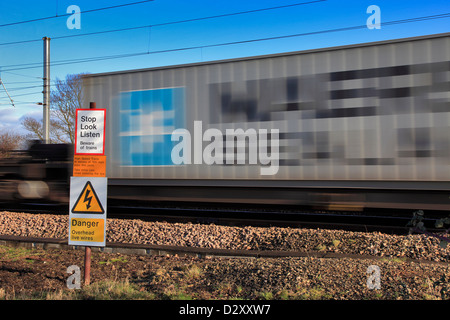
{"points": [[90, 132]]}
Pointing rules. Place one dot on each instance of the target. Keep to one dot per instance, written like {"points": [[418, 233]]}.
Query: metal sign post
{"points": [[46, 91]]}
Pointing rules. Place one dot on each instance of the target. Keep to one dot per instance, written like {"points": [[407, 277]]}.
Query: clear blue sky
{"points": [[16, 59]]}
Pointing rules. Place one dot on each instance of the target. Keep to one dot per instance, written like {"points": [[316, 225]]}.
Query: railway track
{"points": [[158, 250], [212, 239], [387, 221]]}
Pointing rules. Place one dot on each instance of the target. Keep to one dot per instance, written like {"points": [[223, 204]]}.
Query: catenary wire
{"points": [[69, 14], [100, 58], [164, 23]]}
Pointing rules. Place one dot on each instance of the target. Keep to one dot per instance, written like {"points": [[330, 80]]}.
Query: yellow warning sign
{"points": [[88, 201], [89, 166], [87, 230]]}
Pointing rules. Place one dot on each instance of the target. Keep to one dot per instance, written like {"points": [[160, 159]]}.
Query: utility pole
{"points": [[46, 91]]}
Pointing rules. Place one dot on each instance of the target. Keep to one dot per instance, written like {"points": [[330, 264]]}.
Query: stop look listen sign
{"points": [[90, 132]]}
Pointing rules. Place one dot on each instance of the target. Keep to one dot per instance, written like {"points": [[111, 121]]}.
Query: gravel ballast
{"points": [[174, 277], [414, 246]]}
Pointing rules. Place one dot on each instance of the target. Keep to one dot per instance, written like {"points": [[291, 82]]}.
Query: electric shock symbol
{"points": [[88, 201]]}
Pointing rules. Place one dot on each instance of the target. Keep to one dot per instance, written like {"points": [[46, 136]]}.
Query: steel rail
{"points": [[198, 252], [349, 221]]}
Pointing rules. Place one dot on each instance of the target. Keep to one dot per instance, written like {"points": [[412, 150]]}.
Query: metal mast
{"points": [[46, 91]]}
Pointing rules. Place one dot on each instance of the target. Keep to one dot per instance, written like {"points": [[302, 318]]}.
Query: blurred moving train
{"points": [[40, 172], [357, 126]]}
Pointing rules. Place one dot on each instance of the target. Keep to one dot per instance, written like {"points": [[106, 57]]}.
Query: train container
{"points": [[364, 125]]}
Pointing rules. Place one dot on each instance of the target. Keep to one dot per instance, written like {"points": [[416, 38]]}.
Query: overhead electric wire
{"points": [[191, 20], [118, 56], [26, 94], [18, 102], [38, 64], [21, 82], [24, 88], [22, 75], [69, 14], [166, 23]]}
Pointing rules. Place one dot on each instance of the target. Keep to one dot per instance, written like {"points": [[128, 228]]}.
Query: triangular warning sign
{"points": [[88, 201]]}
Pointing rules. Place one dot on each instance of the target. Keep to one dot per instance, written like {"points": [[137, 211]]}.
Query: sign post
{"points": [[88, 185]]}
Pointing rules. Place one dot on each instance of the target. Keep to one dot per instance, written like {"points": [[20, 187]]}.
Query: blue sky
{"points": [[21, 63]]}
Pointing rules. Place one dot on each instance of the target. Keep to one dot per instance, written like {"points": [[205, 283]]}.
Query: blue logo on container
{"points": [[147, 119]]}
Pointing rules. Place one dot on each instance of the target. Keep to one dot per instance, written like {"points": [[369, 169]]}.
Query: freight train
{"points": [[356, 126]]}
